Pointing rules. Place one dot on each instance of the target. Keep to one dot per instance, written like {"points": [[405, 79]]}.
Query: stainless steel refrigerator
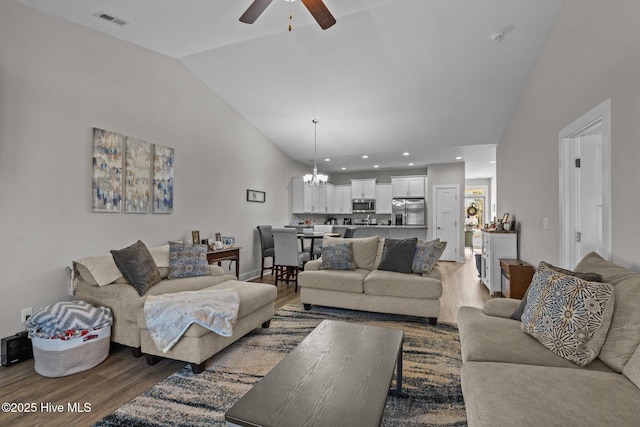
{"points": [[409, 212]]}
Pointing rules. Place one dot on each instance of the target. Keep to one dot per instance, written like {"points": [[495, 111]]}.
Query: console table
{"points": [[225, 254]]}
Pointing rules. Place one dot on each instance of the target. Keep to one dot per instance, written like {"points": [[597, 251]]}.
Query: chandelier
{"points": [[315, 178]]}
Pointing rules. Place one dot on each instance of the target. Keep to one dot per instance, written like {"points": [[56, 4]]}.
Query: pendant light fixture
{"points": [[315, 178]]}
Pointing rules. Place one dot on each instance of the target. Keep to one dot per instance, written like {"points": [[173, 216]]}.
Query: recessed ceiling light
{"points": [[493, 162], [327, 160], [459, 158], [411, 164], [405, 154], [344, 169], [376, 166], [365, 156]]}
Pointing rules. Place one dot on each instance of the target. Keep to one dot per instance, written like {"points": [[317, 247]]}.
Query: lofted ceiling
{"points": [[391, 76]]}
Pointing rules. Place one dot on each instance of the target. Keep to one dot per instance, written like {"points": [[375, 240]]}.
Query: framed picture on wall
{"points": [[256, 196]]}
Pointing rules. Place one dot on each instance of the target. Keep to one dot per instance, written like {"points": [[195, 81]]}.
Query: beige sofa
{"points": [[368, 289], [510, 379], [98, 281]]}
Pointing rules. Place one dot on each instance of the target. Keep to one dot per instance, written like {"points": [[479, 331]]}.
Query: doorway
{"points": [[585, 186], [447, 220]]}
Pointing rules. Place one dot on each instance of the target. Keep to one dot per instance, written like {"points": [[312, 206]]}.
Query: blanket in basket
{"points": [[67, 319], [168, 316]]}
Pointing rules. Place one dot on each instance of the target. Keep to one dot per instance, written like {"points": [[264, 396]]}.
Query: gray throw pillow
{"points": [[137, 266], [397, 255], [589, 277]]}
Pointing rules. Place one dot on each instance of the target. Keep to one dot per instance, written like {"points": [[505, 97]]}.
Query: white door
{"points": [[585, 187], [446, 220]]}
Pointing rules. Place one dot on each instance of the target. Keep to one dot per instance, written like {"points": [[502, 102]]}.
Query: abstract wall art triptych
{"points": [[131, 175]]}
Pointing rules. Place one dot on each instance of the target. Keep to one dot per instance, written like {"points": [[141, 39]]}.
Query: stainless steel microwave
{"points": [[363, 205]]}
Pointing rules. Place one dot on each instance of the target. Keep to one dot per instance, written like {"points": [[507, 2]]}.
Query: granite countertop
{"points": [[382, 226]]}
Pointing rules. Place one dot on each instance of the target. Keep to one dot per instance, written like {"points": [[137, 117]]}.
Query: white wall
{"points": [[591, 54], [59, 80]]}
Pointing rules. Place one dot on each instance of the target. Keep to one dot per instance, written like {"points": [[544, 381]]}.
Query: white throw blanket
{"points": [[168, 316]]}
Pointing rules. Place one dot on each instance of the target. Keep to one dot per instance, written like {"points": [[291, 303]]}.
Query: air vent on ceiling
{"points": [[110, 18]]}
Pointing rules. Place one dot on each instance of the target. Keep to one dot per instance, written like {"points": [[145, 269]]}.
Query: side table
{"points": [[226, 254], [516, 277]]}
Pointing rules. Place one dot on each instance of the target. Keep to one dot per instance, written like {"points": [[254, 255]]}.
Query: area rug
{"points": [[431, 394]]}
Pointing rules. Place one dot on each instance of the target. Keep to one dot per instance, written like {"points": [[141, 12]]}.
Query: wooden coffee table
{"points": [[339, 375]]}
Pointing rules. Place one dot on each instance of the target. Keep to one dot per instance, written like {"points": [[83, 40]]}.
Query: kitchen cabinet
{"points": [[363, 188], [342, 199], [496, 245], [409, 186], [383, 198], [311, 199]]}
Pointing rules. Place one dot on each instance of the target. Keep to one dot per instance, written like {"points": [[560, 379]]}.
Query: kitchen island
{"points": [[384, 231]]}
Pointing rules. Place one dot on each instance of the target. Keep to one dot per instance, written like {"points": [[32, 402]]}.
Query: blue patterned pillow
{"points": [[568, 315], [427, 255], [187, 260], [337, 256]]}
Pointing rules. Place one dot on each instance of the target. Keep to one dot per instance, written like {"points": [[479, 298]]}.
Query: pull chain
{"points": [[290, 15]]}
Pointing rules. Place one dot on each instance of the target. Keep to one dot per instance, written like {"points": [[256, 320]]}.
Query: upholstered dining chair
{"points": [[266, 245], [348, 233], [317, 249], [288, 258]]}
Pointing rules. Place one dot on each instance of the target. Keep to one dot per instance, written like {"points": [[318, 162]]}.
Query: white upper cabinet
{"points": [[383, 198], [409, 186], [342, 199], [363, 188], [311, 199]]}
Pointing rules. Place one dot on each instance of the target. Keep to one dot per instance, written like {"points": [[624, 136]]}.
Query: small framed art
{"points": [[256, 196]]}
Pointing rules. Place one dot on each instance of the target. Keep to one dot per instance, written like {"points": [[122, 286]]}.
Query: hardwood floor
{"points": [[122, 377]]}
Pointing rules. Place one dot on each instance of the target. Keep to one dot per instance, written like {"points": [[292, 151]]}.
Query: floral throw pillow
{"points": [[427, 255], [568, 315], [337, 256], [187, 260]]}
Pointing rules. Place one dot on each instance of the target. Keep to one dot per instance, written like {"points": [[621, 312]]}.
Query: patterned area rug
{"points": [[431, 374]]}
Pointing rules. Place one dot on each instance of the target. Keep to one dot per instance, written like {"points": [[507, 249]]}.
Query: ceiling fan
{"points": [[317, 8]]}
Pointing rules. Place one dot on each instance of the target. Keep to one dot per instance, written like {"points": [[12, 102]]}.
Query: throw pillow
{"points": [[397, 255], [337, 256], [568, 315], [187, 260], [137, 266], [589, 277], [427, 255]]}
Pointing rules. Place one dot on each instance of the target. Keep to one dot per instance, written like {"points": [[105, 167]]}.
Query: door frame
{"points": [[457, 212], [601, 114]]}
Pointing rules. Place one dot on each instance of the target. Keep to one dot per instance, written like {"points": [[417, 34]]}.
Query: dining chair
{"points": [[317, 249], [288, 258], [266, 245], [348, 233]]}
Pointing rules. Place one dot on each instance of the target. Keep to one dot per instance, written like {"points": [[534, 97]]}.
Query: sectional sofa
{"points": [[509, 378]]}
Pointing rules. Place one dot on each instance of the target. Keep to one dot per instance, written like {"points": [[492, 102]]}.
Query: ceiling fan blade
{"points": [[320, 13], [254, 11]]}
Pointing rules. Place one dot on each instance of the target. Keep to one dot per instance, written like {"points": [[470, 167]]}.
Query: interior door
{"points": [[446, 220], [587, 190], [585, 186]]}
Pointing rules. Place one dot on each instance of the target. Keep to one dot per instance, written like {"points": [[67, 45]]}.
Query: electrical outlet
{"points": [[25, 314], [545, 223]]}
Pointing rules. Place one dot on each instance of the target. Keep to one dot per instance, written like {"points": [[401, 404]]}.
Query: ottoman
{"points": [[198, 344]]}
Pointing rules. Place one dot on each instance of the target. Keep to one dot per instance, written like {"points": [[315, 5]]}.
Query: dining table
{"points": [[313, 236]]}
